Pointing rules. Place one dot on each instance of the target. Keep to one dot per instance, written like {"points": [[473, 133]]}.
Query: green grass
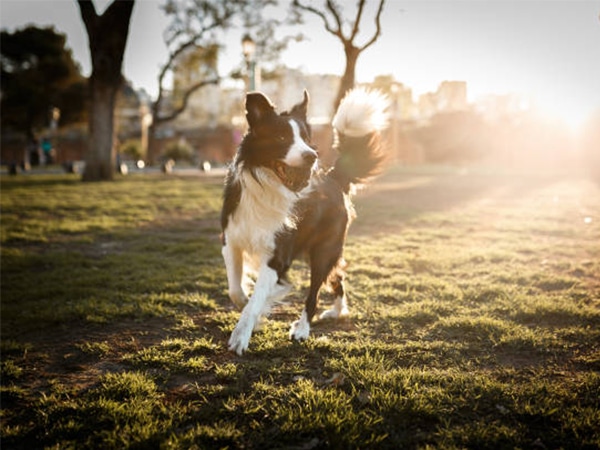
{"points": [[475, 301]]}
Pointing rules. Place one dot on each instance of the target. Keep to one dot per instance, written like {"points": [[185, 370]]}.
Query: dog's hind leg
{"points": [[263, 291], [322, 262], [234, 264], [340, 304]]}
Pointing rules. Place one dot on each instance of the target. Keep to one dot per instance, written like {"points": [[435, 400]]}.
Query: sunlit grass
{"points": [[475, 321]]}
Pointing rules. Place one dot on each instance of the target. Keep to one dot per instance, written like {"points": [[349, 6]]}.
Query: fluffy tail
{"points": [[358, 122]]}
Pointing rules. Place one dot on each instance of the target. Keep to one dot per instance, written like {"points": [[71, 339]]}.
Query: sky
{"points": [[547, 50]]}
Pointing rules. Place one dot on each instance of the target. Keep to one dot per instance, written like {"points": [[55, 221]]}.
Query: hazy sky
{"points": [[548, 49]]}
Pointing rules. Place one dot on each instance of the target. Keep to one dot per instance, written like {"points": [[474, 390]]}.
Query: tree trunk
{"points": [[348, 79], [107, 36], [152, 155], [100, 159]]}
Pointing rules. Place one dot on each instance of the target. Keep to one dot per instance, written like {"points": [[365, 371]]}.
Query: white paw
{"points": [[339, 310], [300, 329], [334, 313], [238, 342]]}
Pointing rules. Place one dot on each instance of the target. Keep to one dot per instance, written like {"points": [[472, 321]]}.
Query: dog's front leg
{"points": [[266, 282], [234, 264]]}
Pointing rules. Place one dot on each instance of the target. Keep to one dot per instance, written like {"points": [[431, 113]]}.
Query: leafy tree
{"points": [[193, 51], [107, 34], [190, 39], [346, 32], [38, 74], [193, 39]]}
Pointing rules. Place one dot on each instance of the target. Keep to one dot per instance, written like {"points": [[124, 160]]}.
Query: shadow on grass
{"points": [[402, 195]]}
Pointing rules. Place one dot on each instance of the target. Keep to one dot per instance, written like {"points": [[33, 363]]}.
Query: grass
{"points": [[475, 301]]}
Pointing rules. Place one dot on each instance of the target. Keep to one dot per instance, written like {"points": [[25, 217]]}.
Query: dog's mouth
{"points": [[292, 177]]}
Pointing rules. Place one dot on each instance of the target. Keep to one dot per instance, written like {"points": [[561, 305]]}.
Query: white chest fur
{"points": [[265, 207]]}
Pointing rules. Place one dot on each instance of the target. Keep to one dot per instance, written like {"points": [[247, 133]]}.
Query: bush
{"points": [[131, 149], [179, 151]]}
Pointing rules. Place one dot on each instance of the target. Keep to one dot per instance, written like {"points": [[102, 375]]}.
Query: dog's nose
{"points": [[309, 158]]}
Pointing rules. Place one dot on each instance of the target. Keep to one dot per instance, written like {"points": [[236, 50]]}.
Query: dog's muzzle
{"points": [[295, 178]]}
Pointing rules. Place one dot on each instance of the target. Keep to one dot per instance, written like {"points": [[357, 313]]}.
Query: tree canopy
{"points": [[194, 40], [38, 74]]}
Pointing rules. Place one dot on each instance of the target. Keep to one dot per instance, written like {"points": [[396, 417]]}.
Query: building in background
{"points": [[451, 96]]}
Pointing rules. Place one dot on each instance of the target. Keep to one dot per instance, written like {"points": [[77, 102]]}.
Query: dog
{"points": [[280, 205]]}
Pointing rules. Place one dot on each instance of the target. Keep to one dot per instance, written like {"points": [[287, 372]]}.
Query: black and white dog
{"points": [[279, 205]]}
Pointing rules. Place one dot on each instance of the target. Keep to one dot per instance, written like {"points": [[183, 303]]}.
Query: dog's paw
{"points": [[334, 313], [238, 345], [339, 310], [300, 329], [240, 338]]}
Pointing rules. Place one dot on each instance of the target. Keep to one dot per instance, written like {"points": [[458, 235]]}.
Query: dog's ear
{"points": [[301, 109], [258, 107]]}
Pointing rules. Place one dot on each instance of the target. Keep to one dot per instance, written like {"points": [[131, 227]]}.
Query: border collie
{"points": [[279, 205]]}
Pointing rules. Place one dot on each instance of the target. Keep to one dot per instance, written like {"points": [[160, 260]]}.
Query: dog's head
{"points": [[279, 141]]}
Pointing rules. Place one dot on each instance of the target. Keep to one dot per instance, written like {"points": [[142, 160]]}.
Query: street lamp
{"points": [[249, 50], [145, 122]]}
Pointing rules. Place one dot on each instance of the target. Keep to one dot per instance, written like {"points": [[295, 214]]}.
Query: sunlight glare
{"points": [[572, 111]]}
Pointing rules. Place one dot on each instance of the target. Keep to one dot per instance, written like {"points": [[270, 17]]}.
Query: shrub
{"points": [[179, 151], [131, 149]]}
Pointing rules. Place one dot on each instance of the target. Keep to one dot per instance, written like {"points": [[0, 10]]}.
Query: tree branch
{"points": [[88, 14], [378, 24], [323, 17], [184, 103], [216, 22], [332, 7], [172, 57], [355, 28], [107, 36]]}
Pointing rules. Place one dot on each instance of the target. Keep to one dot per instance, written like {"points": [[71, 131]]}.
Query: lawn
{"points": [[475, 302]]}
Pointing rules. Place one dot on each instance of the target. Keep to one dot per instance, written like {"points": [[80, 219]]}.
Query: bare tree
{"points": [[107, 35], [331, 15]]}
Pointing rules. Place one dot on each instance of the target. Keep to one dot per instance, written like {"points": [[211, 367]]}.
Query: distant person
{"points": [[47, 151]]}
